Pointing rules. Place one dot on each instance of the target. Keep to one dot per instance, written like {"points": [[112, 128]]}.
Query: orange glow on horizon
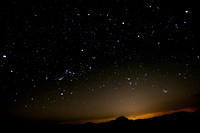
{"points": [[156, 114], [133, 117]]}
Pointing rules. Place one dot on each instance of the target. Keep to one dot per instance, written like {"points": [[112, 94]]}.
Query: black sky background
{"points": [[42, 39]]}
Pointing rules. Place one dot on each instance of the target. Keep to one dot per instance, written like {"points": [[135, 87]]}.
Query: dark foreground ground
{"points": [[181, 121]]}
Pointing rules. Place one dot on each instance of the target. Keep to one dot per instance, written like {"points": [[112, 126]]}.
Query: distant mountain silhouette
{"points": [[176, 120], [122, 118], [180, 120]]}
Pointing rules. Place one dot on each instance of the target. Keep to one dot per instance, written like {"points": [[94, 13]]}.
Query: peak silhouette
{"points": [[122, 118]]}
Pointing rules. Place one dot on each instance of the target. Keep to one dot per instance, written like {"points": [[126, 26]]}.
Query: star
{"points": [[186, 11], [4, 56], [165, 91]]}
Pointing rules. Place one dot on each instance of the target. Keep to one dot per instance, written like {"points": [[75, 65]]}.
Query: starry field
{"points": [[83, 61]]}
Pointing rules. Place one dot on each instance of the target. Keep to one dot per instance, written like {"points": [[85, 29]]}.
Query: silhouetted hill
{"points": [[180, 120], [122, 118]]}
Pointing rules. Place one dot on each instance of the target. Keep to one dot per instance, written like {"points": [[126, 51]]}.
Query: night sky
{"points": [[81, 60]]}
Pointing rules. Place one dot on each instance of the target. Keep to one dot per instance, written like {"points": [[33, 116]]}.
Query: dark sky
{"points": [[76, 60]]}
